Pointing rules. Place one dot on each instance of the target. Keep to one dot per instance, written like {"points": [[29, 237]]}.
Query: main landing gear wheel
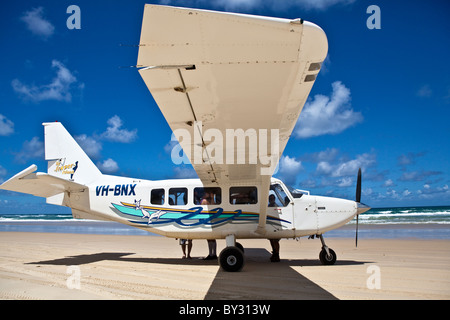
{"points": [[231, 259], [240, 246], [327, 259]]}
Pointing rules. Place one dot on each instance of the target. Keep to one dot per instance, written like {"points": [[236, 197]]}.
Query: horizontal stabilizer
{"points": [[40, 184]]}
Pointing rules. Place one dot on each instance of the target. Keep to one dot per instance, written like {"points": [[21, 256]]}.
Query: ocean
{"points": [[396, 222], [406, 215]]}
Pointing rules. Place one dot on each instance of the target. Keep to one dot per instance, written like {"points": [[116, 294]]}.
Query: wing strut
{"points": [[263, 196], [184, 90]]}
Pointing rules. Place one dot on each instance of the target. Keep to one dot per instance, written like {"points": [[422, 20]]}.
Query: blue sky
{"points": [[381, 101]]}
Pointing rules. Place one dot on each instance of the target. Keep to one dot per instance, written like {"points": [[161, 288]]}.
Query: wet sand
{"points": [[80, 266]]}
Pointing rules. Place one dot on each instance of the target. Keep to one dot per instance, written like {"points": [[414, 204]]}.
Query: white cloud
{"points": [[289, 169], [182, 172], [90, 145], [327, 115], [418, 175], [409, 158], [429, 192], [235, 4], [424, 91], [327, 155], [346, 168], [389, 183], [33, 149], [37, 24], [6, 126], [338, 170], [324, 167], [345, 182], [256, 4], [320, 4], [108, 166], [116, 134], [58, 89], [406, 193], [324, 115], [326, 65], [290, 165], [391, 193], [93, 145], [3, 173], [349, 168]]}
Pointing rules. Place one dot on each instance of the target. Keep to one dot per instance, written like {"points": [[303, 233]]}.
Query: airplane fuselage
{"points": [[180, 209]]}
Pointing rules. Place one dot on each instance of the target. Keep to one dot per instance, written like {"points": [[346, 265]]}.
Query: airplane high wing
{"points": [[231, 73]]}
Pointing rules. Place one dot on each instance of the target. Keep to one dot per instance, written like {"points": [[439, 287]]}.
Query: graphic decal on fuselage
{"points": [[196, 216]]}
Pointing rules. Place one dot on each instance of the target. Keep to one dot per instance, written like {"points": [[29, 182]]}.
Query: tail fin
{"points": [[66, 159]]}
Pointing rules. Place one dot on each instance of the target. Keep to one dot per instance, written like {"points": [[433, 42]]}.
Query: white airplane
{"points": [[210, 73]]}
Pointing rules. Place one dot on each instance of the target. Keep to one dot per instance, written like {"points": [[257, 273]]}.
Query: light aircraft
{"points": [[210, 73]]}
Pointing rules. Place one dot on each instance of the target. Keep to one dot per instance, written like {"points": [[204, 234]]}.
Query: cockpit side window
{"points": [[281, 198]]}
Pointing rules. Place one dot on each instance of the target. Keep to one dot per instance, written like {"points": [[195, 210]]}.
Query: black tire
{"points": [[326, 259], [240, 246], [231, 259]]}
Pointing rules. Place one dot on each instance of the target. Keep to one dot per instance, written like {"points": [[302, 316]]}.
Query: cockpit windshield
{"points": [[279, 196], [297, 193]]}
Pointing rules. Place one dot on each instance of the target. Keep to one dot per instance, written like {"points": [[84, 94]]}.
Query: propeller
{"points": [[358, 201], [361, 207]]}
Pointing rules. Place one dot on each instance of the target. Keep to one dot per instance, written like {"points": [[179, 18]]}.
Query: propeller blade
{"points": [[358, 200], [358, 187]]}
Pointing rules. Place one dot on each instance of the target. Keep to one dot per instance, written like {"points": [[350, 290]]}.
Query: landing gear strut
{"points": [[327, 256], [231, 258]]}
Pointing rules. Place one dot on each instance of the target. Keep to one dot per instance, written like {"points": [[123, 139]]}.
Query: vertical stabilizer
{"points": [[65, 157]]}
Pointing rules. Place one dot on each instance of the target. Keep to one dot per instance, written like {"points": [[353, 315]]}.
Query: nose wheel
{"points": [[327, 256]]}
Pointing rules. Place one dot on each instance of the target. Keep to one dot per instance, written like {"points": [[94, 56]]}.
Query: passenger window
{"points": [[207, 196], [157, 196], [243, 195], [281, 198], [178, 196]]}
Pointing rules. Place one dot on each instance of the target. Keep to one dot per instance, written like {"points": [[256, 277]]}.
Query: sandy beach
{"points": [[81, 266]]}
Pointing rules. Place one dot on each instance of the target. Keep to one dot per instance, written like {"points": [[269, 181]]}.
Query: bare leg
{"points": [[189, 247]]}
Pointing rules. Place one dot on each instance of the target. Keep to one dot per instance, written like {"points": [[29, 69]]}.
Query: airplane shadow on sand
{"points": [[250, 283]]}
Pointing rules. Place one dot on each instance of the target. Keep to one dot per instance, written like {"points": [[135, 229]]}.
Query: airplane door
{"points": [[281, 209]]}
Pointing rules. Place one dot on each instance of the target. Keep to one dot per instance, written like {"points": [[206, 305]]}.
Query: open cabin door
{"points": [[280, 211]]}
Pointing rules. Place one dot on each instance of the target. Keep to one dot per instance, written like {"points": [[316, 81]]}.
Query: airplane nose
{"points": [[361, 208]]}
